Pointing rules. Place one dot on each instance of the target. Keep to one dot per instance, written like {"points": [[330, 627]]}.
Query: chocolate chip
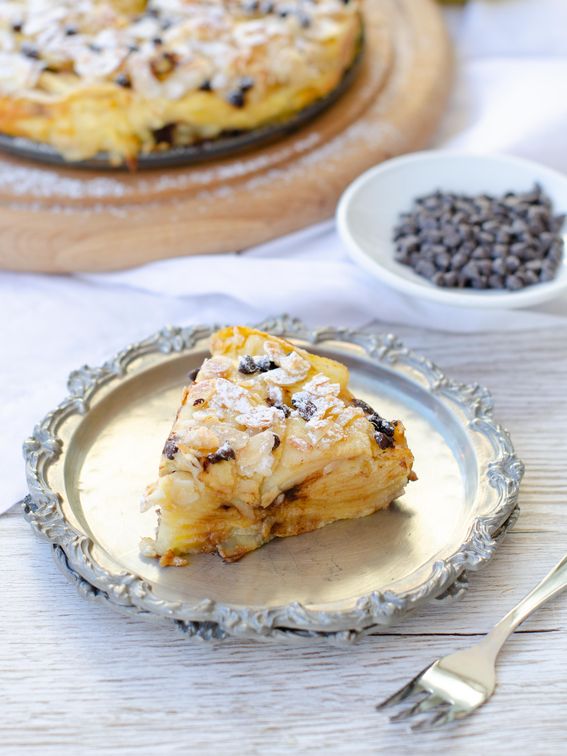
{"points": [[70, 31], [247, 365], [222, 454], [277, 442], [280, 406], [246, 83], [30, 51], [198, 401], [305, 407], [383, 441], [381, 425], [94, 47], [123, 80], [366, 408], [264, 364], [170, 449], [17, 26], [192, 374], [206, 86], [236, 99], [512, 264], [514, 283], [261, 364]]}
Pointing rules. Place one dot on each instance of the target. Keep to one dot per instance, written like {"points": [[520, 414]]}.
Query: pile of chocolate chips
{"points": [[482, 242]]}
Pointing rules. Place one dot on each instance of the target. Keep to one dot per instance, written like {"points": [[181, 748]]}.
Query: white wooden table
{"points": [[76, 678]]}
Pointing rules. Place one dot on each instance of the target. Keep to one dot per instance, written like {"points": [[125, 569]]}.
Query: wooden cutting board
{"points": [[60, 220]]}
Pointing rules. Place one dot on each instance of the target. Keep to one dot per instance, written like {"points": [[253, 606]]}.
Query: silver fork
{"points": [[456, 685]]}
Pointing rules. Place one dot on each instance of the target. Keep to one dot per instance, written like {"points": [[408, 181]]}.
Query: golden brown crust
{"points": [[131, 77]]}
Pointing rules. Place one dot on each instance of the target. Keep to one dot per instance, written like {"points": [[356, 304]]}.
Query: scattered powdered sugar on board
{"points": [[47, 183], [40, 182]]}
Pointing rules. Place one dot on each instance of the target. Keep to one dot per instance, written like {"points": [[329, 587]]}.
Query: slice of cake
{"points": [[268, 441]]}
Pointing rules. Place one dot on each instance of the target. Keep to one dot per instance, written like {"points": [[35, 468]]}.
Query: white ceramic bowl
{"points": [[369, 209]]}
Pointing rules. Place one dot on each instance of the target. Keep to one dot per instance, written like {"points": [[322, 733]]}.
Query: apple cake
{"points": [[269, 442], [128, 77]]}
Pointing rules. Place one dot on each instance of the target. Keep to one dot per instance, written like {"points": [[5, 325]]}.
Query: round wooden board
{"points": [[62, 220]]}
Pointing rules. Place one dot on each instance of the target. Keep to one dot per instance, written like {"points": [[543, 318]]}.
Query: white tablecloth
{"points": [[509, 97]]}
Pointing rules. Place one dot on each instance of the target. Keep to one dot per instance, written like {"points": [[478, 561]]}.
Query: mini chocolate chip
{"points": [[513, 282], [383, 441], [277, 442], [123, 80], [247, 365], [264, 364], [480, 282], [192, 374], [305, 407], [133, 48], [198, 401], [17, 26], [499, 250], [206, 86], [381, 425], [70, 31], [30, 51], [450, 279], [451, 240], [459, 260], [495, 281], [443, 260], [236, 99], [366, 408], [222, 454], [170, 449], [425, 268], [260, 364], [157, 41], [94, 47], [246, 83], [280, 406], [512, 264]]}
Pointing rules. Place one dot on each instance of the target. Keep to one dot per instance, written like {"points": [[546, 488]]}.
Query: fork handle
{"points": [[550, 586]]}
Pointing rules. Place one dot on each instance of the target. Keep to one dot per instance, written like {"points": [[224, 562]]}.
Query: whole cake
{"points": [[126, 77]]}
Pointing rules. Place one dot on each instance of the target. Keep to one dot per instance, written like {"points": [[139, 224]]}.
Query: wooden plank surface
{"points": [[76, 678]]}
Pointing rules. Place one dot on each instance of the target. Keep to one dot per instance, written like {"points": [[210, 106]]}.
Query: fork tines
{"points": [[431, 709]]}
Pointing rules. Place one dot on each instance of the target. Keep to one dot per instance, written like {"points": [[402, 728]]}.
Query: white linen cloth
{"points": [[509, 97]]}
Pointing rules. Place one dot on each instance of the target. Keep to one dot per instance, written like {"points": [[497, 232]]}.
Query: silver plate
{"points": [[89, 460], [223, 146]]}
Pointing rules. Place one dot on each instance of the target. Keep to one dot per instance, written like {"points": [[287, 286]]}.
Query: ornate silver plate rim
{"points": [[214, 620]]}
